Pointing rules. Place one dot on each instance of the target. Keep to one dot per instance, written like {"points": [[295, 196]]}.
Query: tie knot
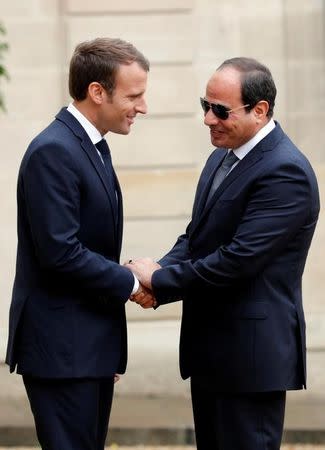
{"points": [[102, 147], [230, 159]]}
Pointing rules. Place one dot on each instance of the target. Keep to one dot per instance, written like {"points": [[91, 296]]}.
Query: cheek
{"points": [[126, 109], [235, 134], [131, 106], [240, 128], [233, 129]]}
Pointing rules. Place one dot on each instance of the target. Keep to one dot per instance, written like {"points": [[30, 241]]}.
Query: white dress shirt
{"points": [[244, 149]]}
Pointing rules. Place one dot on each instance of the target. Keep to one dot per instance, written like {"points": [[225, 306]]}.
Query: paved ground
{"points": [[116, 447]]}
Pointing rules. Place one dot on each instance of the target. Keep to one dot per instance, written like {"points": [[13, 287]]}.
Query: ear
{"points": [[261, 109], [96, 92]]}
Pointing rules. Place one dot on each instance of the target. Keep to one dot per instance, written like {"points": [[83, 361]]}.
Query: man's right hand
{"points": [[144, 298]]}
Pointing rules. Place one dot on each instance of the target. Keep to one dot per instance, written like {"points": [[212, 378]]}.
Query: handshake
{"points": [[143, 268]]}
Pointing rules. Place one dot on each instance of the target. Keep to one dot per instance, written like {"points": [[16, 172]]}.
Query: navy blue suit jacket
{"points": [[238, 269], [67, 316]]}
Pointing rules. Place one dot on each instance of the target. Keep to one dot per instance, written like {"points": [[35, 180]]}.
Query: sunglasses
{"points": [[219, 111]]}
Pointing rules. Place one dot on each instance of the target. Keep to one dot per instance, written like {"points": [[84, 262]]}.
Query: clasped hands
{"points": [[143, 268]]}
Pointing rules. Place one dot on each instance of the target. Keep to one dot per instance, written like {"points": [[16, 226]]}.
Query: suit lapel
{"points": [[120, 214], [203, 191], [91, 151], [243, 165], [267, 144], [92, 154]]}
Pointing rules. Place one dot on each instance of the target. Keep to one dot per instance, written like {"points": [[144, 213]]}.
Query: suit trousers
{"points": [[70, 414], [237, 421]]}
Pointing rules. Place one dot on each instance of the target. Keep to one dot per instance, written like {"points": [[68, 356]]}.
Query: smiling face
{"points": [[118, 110], [224, 88]]}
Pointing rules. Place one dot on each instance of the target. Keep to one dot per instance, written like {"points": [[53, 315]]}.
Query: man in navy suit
{"points": [[67, 330], [238, 267]]}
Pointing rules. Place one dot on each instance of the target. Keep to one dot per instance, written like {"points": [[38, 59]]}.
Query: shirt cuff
{"points": [[136, 285]]}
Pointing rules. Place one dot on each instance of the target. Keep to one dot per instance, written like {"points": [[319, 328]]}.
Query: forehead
{"points": [[224, 87]]}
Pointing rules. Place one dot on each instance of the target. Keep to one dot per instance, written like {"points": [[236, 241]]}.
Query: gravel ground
{"points": [[141, 447]]}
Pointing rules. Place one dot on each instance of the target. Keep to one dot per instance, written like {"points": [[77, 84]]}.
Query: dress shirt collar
{"points": [[90, 129], [242, 151]]}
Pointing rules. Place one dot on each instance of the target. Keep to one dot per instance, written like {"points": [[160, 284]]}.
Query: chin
{"points": [[218, 143], [123, 131], [127, 129]]}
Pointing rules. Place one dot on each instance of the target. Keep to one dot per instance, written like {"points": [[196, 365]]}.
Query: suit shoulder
{"points": [[286, 153], [56, 133], [51, 148], [55, 139]]}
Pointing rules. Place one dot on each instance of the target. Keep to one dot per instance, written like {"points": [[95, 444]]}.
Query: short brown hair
{"points": [[98, 60]]}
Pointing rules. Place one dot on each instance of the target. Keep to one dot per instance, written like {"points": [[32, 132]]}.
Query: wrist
{"points": [[136, 287]]}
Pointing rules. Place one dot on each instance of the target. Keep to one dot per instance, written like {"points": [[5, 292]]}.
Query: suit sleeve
{"points": [[282, 202], [52, 192], [180, 252]]}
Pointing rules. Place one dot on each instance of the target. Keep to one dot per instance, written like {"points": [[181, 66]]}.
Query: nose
{"points": [[210, 118], [141, 107]]}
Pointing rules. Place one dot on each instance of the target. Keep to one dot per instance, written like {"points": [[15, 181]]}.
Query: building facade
{"points": [[159, 162]]}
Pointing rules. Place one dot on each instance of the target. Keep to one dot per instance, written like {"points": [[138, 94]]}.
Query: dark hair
{"points": [[98, 60], [256, 82]]}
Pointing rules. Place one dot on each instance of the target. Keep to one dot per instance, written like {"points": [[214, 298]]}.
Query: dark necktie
{"points": [[222, 172], [106, 156]]}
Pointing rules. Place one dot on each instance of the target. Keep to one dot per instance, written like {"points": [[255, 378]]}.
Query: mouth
{"points": [[215, 132], [131, 120]]}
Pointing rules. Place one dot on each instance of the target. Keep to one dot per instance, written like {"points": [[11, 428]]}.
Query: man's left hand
{"points": [[143, 268]]}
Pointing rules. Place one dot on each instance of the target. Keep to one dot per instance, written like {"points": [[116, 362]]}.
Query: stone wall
{"points": [[159, 162]]}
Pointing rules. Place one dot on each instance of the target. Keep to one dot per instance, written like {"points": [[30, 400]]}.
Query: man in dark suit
{"points": [[238, 267], [67, 330]]}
